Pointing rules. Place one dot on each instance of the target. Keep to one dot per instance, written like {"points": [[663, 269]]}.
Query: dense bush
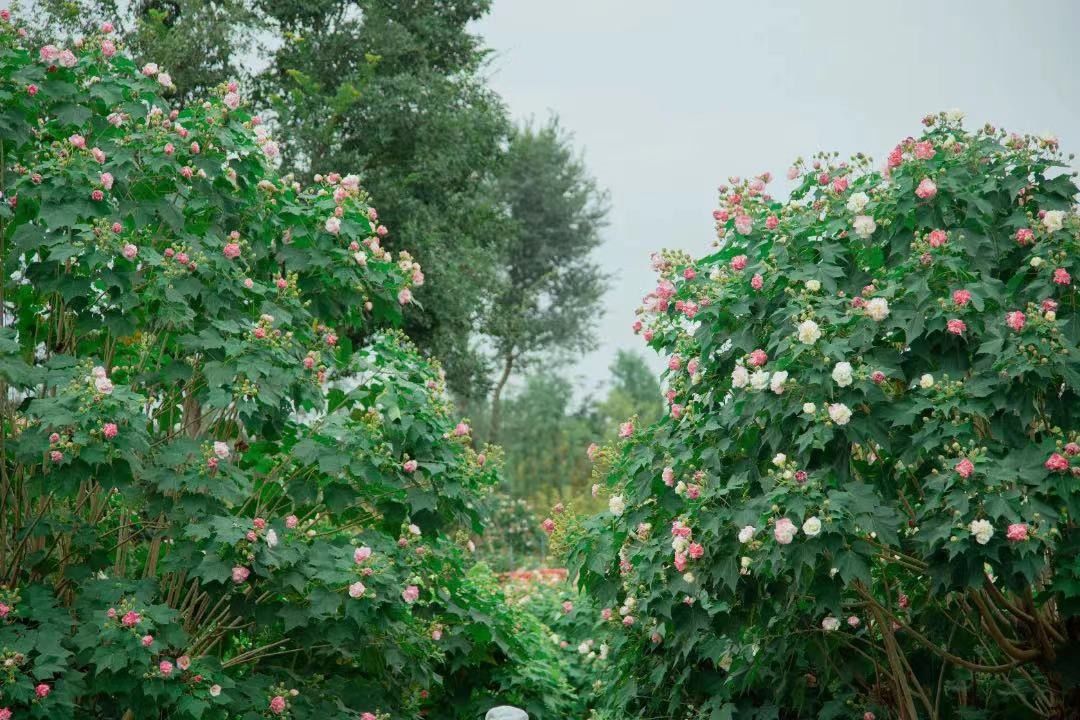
{"points": [[574, 625], [863, 499], [533, 679], [227, 491]]}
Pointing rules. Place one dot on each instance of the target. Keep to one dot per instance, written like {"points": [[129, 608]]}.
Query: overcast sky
{"points": [[668, 99]]}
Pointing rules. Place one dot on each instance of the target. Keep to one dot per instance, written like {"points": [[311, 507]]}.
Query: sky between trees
{"points": [[669, 99]]}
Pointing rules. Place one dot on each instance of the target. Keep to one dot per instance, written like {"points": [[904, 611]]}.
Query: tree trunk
{"points": [[496, 399]]}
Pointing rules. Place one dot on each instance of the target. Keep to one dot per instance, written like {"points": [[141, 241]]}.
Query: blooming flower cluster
{"points": [[211, 426], [883, 397]]}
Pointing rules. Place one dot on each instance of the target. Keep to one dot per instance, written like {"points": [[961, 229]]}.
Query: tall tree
{"points": [[548, 289], [393, 89]]}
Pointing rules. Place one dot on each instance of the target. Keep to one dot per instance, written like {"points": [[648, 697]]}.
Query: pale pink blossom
{"points": [[784, 531], [1017, 532], [924, 150], [1016, 320], [1056, 463], [240, 574], [926, 189], [965, 468], [410, 594]]}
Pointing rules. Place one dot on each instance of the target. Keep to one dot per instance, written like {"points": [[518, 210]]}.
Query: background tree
{"points": [[548, 289], [395, 89], [545, 436], [635, 390], [546, 429]]}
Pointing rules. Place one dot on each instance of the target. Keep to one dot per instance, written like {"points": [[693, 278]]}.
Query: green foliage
{"points": [[229, 490], [514, 659], [573, 624], [394, 89], [863, 498]]}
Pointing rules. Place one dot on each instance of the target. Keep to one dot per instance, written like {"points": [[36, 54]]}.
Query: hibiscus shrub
{"points": [[863, 500], [227, 490]]}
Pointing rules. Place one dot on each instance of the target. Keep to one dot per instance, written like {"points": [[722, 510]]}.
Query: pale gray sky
{"points": [[670, 98]]}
